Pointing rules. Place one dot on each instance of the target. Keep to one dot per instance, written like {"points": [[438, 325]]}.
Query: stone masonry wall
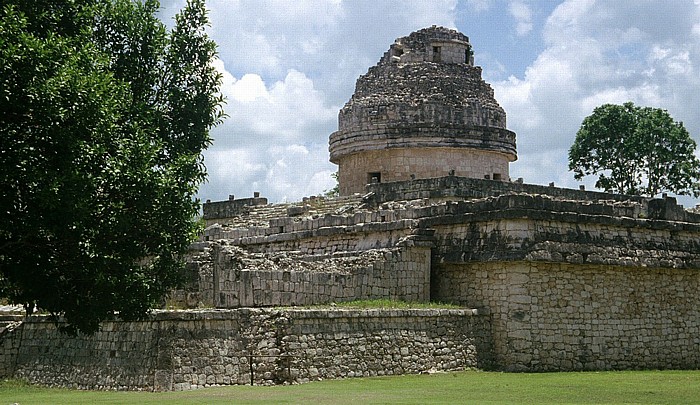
{"points": [[228, 277], [560, 316], [569, 237], [192, 349], [232, 207], [9, 347], [573, 285], [455, 187], [400, 164], [122, 356], [320, 236], [418, 47], [572, 279]]}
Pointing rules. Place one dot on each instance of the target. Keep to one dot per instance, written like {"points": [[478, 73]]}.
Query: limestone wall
{"points": [[572, 279], [239, 213], [465, 234], [186, 350], [320, 235], [455, 187], [401, 163], [560, 316], [228, 277], [230, 208], [451, 52], [121, 356], [9, 345]]}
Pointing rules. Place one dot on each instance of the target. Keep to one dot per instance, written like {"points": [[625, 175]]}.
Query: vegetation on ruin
{"points": [[636, 150], [380, 303], [474, 387], [105, 113], [335, 190], [393, 304]]}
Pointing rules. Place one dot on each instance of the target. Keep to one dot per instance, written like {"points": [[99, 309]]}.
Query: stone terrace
{"points": [[384, 244]]}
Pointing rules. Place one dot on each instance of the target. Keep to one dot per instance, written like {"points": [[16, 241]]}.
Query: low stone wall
{"points": [[9, 347], [399, 274], [322, 235], [456, 187], [122, 356], [190, 349], [565, 317], [230, 208]]}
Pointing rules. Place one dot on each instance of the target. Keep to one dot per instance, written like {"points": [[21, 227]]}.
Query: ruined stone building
{"points": [[547, 279], [422, 112]]}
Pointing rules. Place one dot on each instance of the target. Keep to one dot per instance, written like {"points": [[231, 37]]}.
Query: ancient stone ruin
{"points": [[547, 279], [422, 112]]}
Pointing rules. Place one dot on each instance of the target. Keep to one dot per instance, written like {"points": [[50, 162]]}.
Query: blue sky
{"points": [[289, 66]]}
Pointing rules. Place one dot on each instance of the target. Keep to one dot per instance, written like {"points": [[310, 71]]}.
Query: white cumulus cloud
{"points": [[595, 53], [290, 66], [523, 17]]}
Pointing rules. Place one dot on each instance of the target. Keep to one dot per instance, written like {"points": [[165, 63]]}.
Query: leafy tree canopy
{"points": [[105, 114], [636, 150]]}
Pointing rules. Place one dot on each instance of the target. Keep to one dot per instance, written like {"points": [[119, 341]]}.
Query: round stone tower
{"points": [[423, 111]]}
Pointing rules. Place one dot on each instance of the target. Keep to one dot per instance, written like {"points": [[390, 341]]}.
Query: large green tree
{"points": [[104, 117], [636, 150]]}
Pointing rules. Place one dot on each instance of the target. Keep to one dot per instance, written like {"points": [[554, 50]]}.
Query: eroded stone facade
{"points": [[571, 279], [401, 164], [185, 350], [226, 276], [424, 102], [552, 316]]}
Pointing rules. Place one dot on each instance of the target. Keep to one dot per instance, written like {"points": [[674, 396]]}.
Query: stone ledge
{"points": [[468, 188], [351, 141]]}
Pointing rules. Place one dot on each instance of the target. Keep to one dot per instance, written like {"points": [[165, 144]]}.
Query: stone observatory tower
{"points": [[423, 111]]}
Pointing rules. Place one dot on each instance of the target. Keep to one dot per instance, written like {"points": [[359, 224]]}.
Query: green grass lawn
{"points": [[639, 387]]}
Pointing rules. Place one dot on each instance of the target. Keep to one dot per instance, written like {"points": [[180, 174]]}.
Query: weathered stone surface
{"points": [[582, 317], [423, 111], [185, 350], [571, 279], [227, 276]]}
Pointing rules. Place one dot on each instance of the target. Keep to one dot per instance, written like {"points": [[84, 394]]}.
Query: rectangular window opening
{"points": [[436, 54], [497, 176], [374, 177]]}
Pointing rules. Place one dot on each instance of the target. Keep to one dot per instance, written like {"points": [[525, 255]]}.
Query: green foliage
{"points": [[394, 304], [105, 116], [636, 150], [335, 191]]}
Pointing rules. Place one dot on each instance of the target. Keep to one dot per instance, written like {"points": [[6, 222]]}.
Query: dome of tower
{"points": [[422, 111]]}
